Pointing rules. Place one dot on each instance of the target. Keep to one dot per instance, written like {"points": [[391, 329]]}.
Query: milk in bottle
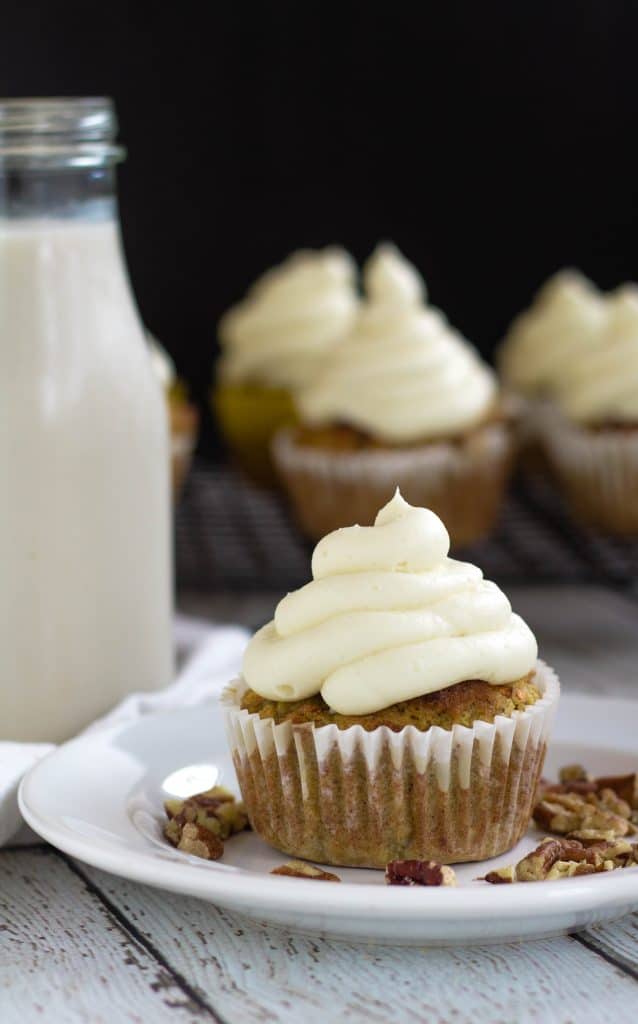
{"points": [[85, 566]]}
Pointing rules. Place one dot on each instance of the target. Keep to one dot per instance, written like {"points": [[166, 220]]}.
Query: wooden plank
{"points": [[256, 974], [617, 941], [65, 958]]}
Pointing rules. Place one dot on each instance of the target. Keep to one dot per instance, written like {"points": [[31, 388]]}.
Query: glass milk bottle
{"points": [[85, 555]]}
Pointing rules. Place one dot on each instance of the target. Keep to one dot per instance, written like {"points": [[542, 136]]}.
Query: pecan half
{"points": [[301, 869], [419, 872]]}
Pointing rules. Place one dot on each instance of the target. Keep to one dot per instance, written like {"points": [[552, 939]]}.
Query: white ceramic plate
{"points": [[99, 798]]}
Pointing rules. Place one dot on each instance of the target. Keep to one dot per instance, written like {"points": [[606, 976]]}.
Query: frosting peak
{"points": [[290, 319], [403, 539], [402, 374], [389, 279], [543, 341], [387, 617]]}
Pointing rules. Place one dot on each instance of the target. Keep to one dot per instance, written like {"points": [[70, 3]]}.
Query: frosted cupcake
{"points": [[590, 430], [541, 344], [183, 416], [394, 708], [403, 400], [275, 342], [544, 340]]}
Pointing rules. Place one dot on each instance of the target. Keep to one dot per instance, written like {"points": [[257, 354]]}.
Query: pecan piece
{"points": [[537, 864], [566, 858], [199, 842], [215, 810], [419, 872], [301, 869], [501, 876], [574, 773], [625, 787], [609, 800], [579, 787], [593, 836], [564, 813]]}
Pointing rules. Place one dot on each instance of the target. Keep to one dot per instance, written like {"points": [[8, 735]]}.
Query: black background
{"points": [[494, 142]]}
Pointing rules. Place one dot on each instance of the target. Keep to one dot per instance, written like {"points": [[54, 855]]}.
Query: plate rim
{"points": [[209, 880]]}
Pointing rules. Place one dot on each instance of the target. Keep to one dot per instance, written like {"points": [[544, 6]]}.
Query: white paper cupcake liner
{"points": [[598, 471], [462, 482], [365, 798]]}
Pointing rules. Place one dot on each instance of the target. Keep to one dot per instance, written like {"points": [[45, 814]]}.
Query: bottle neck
{"points": [[69, 193]]}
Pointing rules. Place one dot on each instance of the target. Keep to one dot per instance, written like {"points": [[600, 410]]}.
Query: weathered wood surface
{"points": [[65, 957], [78, 945], [258, 974]]}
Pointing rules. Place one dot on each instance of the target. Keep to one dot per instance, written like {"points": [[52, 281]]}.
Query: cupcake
{"points": [[542, 341], [403, 400], [183, 416], [275, 342], [540, 345], [394, 708], [590, 429]]}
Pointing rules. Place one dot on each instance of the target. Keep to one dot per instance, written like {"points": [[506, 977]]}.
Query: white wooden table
{"points": [[78, 945]]}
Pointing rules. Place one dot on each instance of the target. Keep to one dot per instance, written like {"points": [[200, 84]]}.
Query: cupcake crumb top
{"points": [[463, 704]]}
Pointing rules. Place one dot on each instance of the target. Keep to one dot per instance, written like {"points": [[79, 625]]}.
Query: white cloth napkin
{"points": [[211, 656]]}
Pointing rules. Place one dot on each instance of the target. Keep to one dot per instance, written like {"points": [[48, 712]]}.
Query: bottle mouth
{"points": [[59, 132]]}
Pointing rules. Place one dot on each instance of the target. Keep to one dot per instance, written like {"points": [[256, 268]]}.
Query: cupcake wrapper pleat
{"points": [[360, 798], [598, 471]]}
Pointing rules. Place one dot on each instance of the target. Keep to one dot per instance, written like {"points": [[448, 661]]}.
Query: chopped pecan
{"points": [[609, 800], [419, 872], [198, 824], [624, 786], [574, 773], [199, 842], [301, 869], [215, 810], [564, 813], [567, 869], [579, 787], [501, 876], [592, 836], [537, 864], [566, 858]]}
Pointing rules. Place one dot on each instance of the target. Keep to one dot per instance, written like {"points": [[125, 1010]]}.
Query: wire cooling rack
{"points": [[232, 535]]}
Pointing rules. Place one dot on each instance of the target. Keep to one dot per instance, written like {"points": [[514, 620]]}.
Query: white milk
{"points": [[85, 578]]}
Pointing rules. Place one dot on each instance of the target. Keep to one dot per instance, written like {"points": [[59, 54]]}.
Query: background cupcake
{"points": [[275, 342], [541, 343], [403, 400], [394, 707], [183, 416], [590, 430]]}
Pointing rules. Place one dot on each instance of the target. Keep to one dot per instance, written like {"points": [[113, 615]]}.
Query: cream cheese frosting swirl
{"points": [[387, 617], [543, 342], [402, 374], [602, 383], [291, 318]]}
